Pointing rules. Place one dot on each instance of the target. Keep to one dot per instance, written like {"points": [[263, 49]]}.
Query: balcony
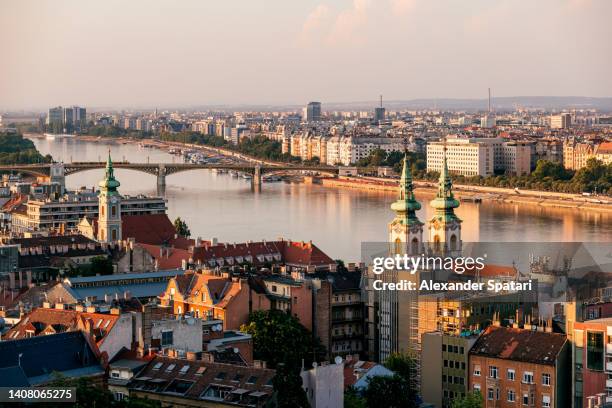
{"points": [[609, 348], [609, 366], [609, 384]]}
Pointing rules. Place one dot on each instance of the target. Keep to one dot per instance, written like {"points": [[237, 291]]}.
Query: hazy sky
{"points": [[119, 53]]}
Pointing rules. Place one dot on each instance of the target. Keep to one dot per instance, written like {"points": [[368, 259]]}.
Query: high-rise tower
{"points": [[445, 226], [109, 203]]}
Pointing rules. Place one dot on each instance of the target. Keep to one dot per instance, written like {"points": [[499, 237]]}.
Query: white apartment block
{"points": [[463, 157], [480, 156], [343, 150]]}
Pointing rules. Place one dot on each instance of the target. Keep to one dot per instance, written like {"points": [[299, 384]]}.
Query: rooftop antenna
{"points": [[489, 108], [381, 101]]}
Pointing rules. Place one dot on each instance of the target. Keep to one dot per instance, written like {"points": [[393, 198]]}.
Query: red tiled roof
{"points": [[14, 202], [519, 345], [172, 258], [40, 320], [153, 229], [605, 147], [352, 373], [297, 253]]}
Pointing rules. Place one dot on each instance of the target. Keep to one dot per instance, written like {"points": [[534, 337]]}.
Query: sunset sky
{"points": [[118, 53]]}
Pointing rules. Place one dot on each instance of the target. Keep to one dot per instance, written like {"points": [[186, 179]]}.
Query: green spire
{"points": [[109, 183], [445, 201], [406, 205]]}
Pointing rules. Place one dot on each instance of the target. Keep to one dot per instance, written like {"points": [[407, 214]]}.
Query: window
{"points": [[252, 380], [184, 369], [525, 398], [119, 396], [157, 366], [113, 211], [492, 372], [444, 347], [477, 388], [490, 393], [166, 339], [546, 379], [220, 375], [170, 368], [115, 374], [595, 351], [477, 370], [528, 377], [545, 401], [511, 396], [510, 374]]}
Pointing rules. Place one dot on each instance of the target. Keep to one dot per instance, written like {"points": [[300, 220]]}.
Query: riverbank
{"points": [[471, 193]]}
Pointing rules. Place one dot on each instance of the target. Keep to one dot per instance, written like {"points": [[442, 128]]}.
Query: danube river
{"points": [[336, 220]]}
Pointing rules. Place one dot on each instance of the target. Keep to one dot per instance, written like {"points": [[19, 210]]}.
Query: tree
{"points": [[181, 228], [101, 265], [389, 392], [352, 399], [279, 337], [288, 387], [471, 400], [401, 364]]}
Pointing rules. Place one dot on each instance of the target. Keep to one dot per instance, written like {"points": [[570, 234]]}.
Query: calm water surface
{"points": [[337, 220]]}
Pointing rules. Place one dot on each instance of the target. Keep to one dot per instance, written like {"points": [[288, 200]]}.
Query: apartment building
{"points": [[344, 150], [562, 121], [465, 156], [514, 367], [445, 375], [481, 156], [67, 211], [592, 361], [576, 154]]}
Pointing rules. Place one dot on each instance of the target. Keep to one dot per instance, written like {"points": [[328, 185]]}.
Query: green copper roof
{"points": [[109, 183], [445, 201], [406, 204]]}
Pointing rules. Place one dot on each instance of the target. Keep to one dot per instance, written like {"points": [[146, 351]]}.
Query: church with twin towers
{"points": [[443, 228]]}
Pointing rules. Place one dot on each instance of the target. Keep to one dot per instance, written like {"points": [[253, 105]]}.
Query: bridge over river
{"points": [[58, 171]]}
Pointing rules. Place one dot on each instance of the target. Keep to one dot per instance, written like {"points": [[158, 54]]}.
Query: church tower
{"points": [[406, 230], [445, 226], [109, 203]]}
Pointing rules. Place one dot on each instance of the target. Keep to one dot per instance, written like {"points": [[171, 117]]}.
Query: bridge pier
{"points": [[161, 179], [256, 180]]}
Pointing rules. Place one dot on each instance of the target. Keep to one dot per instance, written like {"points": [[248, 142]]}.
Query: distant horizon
{"points": [[356, 104]]}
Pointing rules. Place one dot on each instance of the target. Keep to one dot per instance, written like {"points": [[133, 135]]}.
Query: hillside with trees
{"points": [[15, 149]]}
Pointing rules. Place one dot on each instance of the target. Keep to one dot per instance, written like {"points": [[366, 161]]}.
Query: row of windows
{"points": [[453, 349], [527, 378], [527, 398], [454, 364]]}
